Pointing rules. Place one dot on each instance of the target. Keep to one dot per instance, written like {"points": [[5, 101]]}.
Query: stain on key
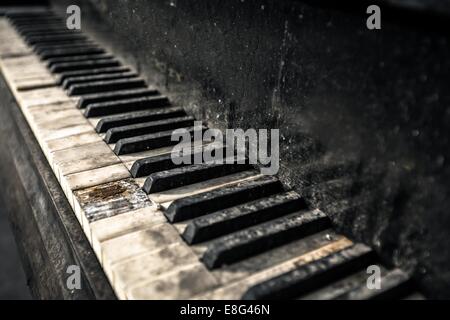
{"points": [[111, 199]]}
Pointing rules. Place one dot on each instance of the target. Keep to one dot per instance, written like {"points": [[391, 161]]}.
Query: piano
{"points": [[90, 184]]}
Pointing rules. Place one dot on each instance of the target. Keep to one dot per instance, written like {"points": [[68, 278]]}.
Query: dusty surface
{"points": [[363, 115]]}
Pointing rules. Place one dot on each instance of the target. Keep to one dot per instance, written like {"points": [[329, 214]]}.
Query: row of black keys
{"points": [[237, 221], [134, 117]]}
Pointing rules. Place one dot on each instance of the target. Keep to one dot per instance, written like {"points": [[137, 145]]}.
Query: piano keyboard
{"points": [[162, 231]]}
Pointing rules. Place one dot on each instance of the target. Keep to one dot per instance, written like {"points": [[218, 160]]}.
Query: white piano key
{"points": [[26, 70], [55, 113], [149, 266], [83, 158], [72, 141], [136, 243], [184, 283], [42, 113], [35, 83], [121, 224], [107, 200], [42, 97], [12, 44], [63, 128], [95, 177]]}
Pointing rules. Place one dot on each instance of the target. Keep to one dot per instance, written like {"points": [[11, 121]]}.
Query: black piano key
{"points": [[220, 199], [147, 142], [40, 27], [26, 17], [43, 13], [72, 81], [242, 216], [47, 50], [64, 37], [125, 105], [36, 21], [89, 64], [23, 21], [67, 50], [50, 28], [269, 235], [334, 289], [77, 58], [41, 30], [57, 23], [29, 17], [124, 119], [87, 99], [132, 130], [179, 177], [89, 72], [32, 16], [46, 47], [49, 47], [60, 44], [105, 86], [313, 275], [393, 285], [33, 19], [48, 33], [65, 41], [146, 166]]}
